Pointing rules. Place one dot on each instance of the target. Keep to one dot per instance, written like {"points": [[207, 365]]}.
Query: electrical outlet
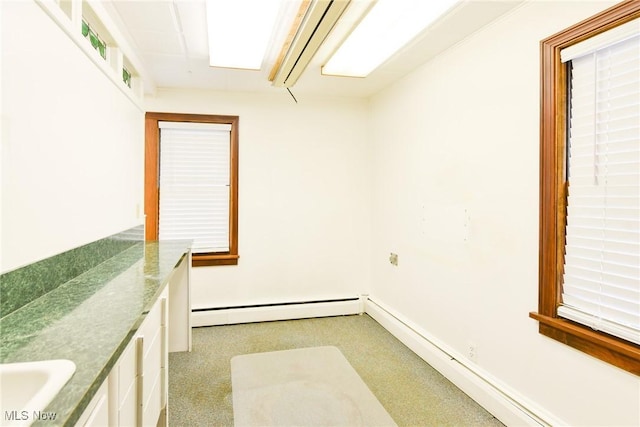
{"points": [[393, 259], [472, 352]]}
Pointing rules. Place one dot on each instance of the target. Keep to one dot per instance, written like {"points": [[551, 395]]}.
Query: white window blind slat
{"points": [[593, 301], [620, 330], [584, 284], [603, 245], [621, 180], [613, 279], [604, 256], [601, 286], [618, 139], [194, 184], [627, 322], [616, 224], [623, 287]]}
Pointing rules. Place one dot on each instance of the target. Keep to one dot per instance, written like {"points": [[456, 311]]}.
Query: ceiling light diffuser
{"points": [[389, 26], [240, 31]]}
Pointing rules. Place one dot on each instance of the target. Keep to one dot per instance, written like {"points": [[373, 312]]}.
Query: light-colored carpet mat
{"points": [[313, 386]]}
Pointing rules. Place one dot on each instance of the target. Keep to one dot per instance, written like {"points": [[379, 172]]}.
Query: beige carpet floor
{"points": [[312, 386], [411, 391]]}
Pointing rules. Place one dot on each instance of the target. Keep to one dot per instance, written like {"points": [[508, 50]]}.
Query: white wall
{"points": [[321, 203], [72, 150], [461, 133], [303, 198]]}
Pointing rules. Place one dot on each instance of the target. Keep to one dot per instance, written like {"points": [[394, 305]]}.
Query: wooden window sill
{"points": [[616, 351], [205, 260]]}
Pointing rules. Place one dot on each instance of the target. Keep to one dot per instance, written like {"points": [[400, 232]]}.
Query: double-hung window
{"points": [[590, 187], [192, 182], [601, 283]]}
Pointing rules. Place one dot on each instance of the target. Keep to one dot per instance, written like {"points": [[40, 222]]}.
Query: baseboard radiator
{"points": [[506, 404], [276, 311]]}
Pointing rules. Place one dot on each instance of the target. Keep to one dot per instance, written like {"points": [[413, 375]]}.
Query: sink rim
{"points": [[57, 372]]}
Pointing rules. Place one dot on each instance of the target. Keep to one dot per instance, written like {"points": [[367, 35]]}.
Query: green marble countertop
{"points": [[89, 320]]}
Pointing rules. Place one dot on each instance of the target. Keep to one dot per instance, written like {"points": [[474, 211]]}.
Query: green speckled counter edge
{"points": [[89, 320]]}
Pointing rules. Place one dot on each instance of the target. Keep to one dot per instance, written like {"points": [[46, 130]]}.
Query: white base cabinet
{"points": [[123, 383], [137, 389], [97, 412], [152, 346], [137, 384]]}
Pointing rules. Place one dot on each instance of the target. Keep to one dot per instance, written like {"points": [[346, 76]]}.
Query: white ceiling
{"points": [[170, 38]]}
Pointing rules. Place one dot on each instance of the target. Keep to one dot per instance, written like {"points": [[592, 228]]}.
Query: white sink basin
{"points": [[27, 388]]}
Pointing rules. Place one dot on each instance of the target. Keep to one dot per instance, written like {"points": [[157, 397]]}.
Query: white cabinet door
{"points": [[123, 383], [97, 412], [138, 382], [152, 344]]}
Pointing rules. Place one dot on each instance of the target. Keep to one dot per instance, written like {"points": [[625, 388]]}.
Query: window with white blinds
{"points": [[601, 287], [195, 184]]}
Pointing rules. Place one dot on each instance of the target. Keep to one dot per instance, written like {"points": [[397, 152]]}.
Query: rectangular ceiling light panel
{"points": [[240, 31], [389, 26]]}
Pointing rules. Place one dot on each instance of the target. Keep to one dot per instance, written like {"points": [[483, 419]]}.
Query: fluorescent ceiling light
{"points": [[240, 31], [389, 25]]}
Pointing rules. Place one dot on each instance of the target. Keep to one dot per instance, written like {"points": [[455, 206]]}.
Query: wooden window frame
{"points": [[152, 187], [553, 194]]}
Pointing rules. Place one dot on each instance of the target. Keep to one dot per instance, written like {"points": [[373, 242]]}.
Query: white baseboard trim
{"points": [[278, 311], [510, 407]]}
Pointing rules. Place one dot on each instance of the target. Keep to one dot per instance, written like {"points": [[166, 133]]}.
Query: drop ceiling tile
{"points": [[193, 21], [158, 42], [146, 15]]}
